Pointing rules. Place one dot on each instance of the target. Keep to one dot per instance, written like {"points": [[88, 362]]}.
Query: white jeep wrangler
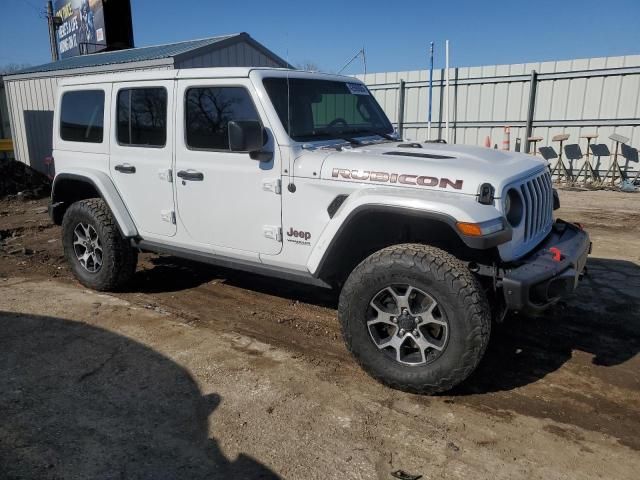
{"points": [[299, 176]]}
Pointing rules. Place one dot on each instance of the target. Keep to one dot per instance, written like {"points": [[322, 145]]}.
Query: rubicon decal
{"points": [[402, 178]]}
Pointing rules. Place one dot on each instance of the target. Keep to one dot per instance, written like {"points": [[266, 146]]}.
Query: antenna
{"points": [[292, 186], [288, 95]]}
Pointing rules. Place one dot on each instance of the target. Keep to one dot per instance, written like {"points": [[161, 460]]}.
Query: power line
{"points": [[360, 54]]}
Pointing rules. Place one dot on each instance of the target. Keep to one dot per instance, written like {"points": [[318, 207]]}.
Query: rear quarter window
{"points": [[82, 116]]}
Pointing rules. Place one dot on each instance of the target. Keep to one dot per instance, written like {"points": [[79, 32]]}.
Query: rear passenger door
{"points": [[142, 153]]}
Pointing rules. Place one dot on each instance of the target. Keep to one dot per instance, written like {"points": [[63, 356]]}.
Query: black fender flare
{"points": [[105, 188], [476, 243]]}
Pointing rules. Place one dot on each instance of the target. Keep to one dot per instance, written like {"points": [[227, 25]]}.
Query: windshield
{"points": [[326, 109]]}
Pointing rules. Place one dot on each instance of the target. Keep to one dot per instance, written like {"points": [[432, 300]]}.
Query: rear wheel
{"points": [[415, 318], [98, 255]]}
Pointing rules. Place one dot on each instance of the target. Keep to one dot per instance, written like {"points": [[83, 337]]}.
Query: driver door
{"points": [[225, 199]]}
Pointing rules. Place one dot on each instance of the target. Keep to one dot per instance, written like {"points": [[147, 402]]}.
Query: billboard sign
{"points": [[83, 28]]}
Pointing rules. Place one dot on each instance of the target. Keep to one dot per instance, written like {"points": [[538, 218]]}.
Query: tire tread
{"points": [[123, 258], [456, 276]]}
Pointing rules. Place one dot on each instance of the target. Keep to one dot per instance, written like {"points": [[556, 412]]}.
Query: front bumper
{"points": [[551, 271]]}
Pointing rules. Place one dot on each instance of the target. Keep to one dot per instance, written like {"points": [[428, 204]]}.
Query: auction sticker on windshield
{"points": [[357, 89]]}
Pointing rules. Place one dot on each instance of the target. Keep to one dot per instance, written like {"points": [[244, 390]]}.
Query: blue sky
{"points": [[395, 35]]}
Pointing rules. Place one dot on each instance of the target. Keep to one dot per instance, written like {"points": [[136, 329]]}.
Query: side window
{"points": [[82, 116], [142, 117], [210, 109]]}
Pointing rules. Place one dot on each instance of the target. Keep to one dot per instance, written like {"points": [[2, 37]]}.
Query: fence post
{"points": [[401, 109], [533, 83]]}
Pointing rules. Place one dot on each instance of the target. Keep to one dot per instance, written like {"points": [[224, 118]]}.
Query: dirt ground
{"points": [[198, 372]]}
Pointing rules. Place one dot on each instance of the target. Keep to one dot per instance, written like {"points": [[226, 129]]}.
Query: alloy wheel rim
{"points": [[407, 324], [87, 247]]}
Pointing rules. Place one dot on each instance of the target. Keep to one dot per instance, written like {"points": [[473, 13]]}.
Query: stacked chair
{"points": [[588, 175]]}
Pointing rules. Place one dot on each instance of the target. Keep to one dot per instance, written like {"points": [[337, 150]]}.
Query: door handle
{"points": [[191, 175], [126, 168]]}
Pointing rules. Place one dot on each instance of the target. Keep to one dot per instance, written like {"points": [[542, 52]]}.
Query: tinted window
{"points": [[142, 117], [209, 110], [82, 116], [325, 109]]}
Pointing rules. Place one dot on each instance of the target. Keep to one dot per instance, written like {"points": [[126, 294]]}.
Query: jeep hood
{"points": [[454, 168]]}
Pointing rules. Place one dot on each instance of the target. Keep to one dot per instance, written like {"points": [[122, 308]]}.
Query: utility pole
{"points": [[430, 91], [446, 98], [364, 61], [53, 42]]}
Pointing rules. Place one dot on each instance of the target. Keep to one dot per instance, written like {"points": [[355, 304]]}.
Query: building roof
{"points": [[145, 54]]}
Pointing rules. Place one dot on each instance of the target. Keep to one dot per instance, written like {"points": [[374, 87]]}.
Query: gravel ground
{"points": [[197, 372]]}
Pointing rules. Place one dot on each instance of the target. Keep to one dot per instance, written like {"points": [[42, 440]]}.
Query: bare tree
{"points": [[308, 66]]}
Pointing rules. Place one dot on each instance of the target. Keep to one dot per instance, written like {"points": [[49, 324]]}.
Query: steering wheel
{"points": [[334, 123]]}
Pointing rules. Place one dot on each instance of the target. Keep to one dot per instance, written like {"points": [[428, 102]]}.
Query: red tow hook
{"points": [[557, 254]]}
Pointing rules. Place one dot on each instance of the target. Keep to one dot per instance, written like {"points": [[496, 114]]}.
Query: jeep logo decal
{"points": [[298, 236], [404, 179]]}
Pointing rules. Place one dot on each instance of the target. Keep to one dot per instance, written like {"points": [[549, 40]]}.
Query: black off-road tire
{"points": [[119, 259], [456, 291]]}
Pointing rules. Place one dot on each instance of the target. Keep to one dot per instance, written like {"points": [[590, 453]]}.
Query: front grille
{"points": [[537, 193]]}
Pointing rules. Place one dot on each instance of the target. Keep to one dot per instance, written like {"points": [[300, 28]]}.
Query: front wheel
{"points": [[415, 318]]}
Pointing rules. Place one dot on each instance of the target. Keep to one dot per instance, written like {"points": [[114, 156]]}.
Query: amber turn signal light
{"points": [[481, 229], [471, 229]]}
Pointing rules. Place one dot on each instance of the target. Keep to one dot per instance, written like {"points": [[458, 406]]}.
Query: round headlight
{"points": [[507, 205], [513, 207]]}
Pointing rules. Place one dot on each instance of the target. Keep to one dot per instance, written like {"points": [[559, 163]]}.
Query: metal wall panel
{"points": [[595, 95], [237, 55]]}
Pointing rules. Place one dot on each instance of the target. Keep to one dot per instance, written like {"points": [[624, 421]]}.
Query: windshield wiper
{"points": [[352, 141], [372, 132], [329, 135]]}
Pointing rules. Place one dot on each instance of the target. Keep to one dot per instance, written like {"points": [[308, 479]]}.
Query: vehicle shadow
{"points": [[170, 274], [601, 318], [163, 274], [81, 402]]}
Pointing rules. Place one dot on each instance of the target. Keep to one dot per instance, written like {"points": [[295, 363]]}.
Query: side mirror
{"points": [[245, 136]]}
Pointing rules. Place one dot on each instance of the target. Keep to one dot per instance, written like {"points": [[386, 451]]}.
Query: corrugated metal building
{"points": [[31, 92]]}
